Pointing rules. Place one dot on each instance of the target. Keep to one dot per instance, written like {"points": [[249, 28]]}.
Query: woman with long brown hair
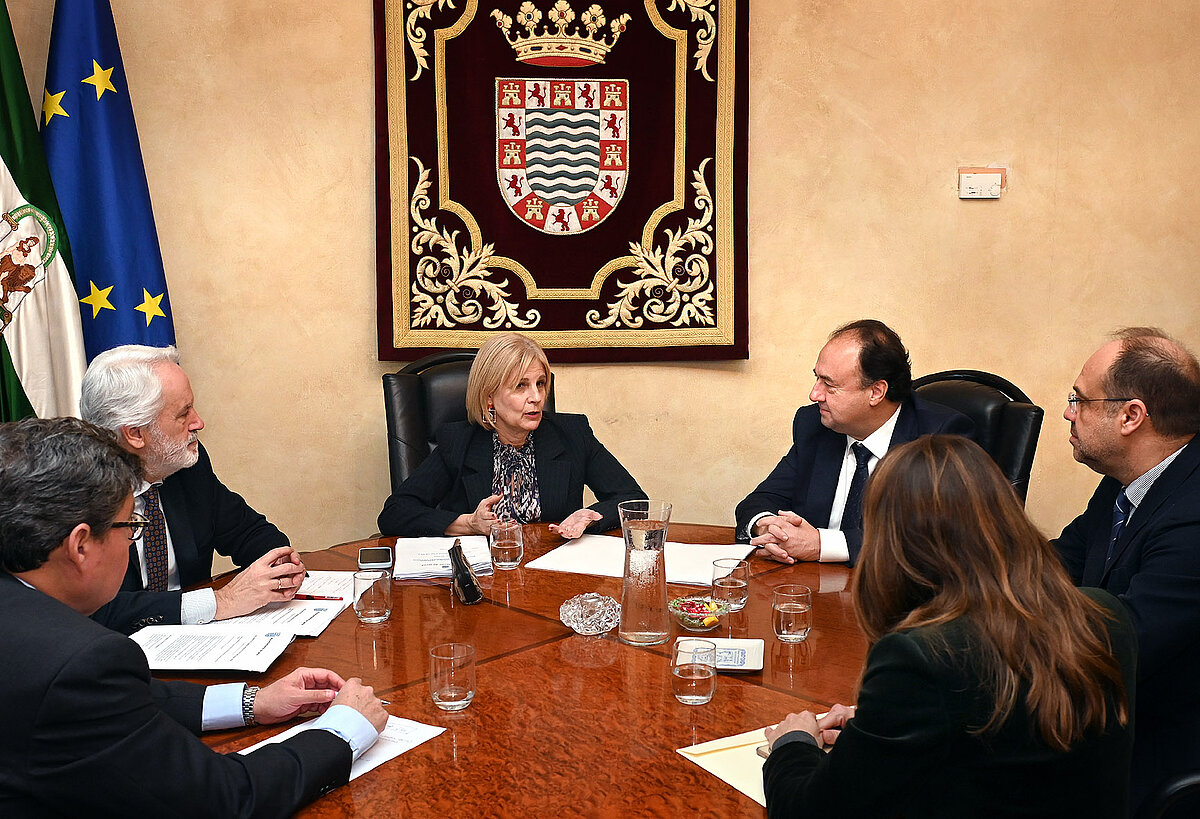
{"points": [[993, 687]]}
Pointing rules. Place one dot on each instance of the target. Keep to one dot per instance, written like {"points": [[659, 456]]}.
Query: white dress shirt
{"points": [[833, 539]]}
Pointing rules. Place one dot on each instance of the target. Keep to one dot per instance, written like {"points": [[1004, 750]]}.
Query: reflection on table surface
{"points": [[560, 721]]}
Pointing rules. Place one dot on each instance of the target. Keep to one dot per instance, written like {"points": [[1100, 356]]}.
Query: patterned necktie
{"points": [[1120, 514], [852, 516], [154, 542]]}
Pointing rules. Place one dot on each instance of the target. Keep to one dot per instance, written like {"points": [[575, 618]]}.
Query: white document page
{"points": [[210, 648], [329, 584], [687, 563], [398, 736], [304, 618], [429, 557]]}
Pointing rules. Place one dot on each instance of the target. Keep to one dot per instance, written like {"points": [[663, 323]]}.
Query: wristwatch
{"points": [[248, 695]]}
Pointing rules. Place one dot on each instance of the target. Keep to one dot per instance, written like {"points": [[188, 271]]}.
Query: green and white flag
{"points": [[41, 356]]}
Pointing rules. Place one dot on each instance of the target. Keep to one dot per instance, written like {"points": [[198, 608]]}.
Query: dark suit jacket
{"points": [[805, 480], [203, 517], [908, 751], [87, 732], [458, 475], [1155, 571]]}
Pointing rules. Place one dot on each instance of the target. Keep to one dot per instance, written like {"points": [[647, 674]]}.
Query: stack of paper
{"points": [[253, 641], [424, 558], [687, 563], [303, 618], [210, 648]]}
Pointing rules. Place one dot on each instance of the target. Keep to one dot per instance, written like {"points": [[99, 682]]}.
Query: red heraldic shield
{"points": [[562, 150]]}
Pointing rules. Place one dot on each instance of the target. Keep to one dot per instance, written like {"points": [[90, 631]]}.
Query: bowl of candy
{"points": [[698, 612]]}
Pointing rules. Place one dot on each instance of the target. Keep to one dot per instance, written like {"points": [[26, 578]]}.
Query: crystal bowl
{"points": [[590, 613]]}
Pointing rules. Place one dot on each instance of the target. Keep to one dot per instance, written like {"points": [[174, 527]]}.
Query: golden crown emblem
{"points": [[559, 48]]}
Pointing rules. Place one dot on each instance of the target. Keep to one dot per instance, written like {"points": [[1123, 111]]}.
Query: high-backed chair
{"points": [[419, 398], [1007, 423], [1177, 796]]}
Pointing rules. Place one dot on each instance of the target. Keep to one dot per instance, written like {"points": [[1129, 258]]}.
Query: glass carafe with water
{"points": [[644, 617]]}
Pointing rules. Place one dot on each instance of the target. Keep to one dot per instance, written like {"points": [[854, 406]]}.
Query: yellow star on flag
{"points": [[150, 307], [101, 78], [52, 106], [98, 300]]}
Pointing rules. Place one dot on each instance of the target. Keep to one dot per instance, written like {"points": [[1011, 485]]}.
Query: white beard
{"points": [[168, 457]]}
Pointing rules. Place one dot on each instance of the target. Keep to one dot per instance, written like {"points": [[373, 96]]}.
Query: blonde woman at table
{"points": [[510, 459], [993, 687]]}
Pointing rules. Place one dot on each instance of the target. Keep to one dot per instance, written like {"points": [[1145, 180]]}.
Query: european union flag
{"points": [[95, 161]]}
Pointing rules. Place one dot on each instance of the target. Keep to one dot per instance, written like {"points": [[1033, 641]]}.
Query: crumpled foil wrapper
{"points": [[590, 613]]}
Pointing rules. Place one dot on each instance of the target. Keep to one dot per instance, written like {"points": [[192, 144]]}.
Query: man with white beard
{"points": [[145, 397]]}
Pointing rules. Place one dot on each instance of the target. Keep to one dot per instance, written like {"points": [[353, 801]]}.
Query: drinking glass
{"points": [[373, 595], [791, 611], [506, 543], [694, 670], [731, 582], [452, 675]]}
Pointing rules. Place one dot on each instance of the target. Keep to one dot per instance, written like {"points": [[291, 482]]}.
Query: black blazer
{"points": [[203, 516], [87, 731], [806, 479], [1155, 571], [909, 752], [457, 475]]}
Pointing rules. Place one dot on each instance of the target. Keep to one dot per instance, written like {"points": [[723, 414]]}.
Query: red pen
{"points": [[314, 597]]}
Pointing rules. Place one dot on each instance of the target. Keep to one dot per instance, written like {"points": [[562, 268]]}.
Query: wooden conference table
{"points": [[562, 723]]}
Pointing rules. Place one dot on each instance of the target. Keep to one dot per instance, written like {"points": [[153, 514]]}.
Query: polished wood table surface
{"points": [[560, 722]]}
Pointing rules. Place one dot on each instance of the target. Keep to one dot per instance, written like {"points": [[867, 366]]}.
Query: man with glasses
{"points": [[143, 396], [87, 731], [1134, 414]]}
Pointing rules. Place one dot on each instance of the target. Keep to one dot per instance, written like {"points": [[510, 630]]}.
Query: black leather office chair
{"points": [[1178, 796], [1007, 423], [419, 398]]}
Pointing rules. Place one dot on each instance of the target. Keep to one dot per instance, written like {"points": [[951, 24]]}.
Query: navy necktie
{"points": [[154, 542], [852, 516], [1120, 514]]}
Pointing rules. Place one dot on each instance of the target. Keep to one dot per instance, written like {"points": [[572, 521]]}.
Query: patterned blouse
{"points": [[514, 475]]}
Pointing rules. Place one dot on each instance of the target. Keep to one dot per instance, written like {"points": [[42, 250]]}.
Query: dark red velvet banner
{"points": [[574, 171]]}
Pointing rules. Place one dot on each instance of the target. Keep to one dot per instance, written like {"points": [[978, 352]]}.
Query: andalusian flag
{"points": [[41, 359], [96, 163]]}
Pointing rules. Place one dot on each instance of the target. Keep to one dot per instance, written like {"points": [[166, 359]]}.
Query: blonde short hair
{"points": [[503, 356]]}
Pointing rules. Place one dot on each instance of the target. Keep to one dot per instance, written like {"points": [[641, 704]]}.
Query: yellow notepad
{"points": [[734, 760]]}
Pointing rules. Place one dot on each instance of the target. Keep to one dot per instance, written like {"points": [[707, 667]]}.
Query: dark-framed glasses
{"points": [[135, 526], [1073, 400]]}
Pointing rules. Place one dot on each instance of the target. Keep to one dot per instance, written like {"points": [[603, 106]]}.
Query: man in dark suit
{"points": [[1134, 414], [87, 731], [145, 397], [810, 506]]}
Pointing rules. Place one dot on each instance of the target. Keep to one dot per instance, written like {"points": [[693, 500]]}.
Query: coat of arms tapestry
{"points": [[570, 170]]}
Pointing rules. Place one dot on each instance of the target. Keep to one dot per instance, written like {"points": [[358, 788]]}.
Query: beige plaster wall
{"points": [[256, 126]]}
